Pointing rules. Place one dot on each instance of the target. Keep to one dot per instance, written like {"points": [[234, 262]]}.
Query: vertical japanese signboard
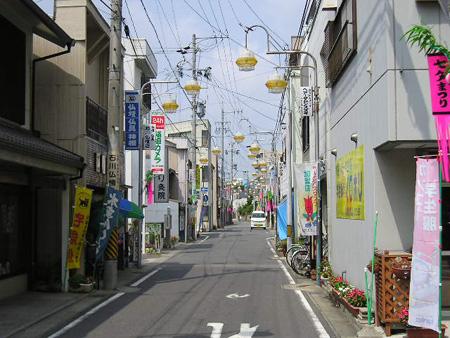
{"points": [[306, 101], [81, 212], [350, 185], [424, 285], [440, 104], [110, 213], [158, 125], [132, 120], [161, 189], [306, 177]]}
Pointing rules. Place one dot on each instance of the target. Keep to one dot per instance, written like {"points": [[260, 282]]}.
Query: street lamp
{"points": [[170, 105], [216, 151], [276, 84], [254, 148], [246, 61], [239, 137], [192, 87]]}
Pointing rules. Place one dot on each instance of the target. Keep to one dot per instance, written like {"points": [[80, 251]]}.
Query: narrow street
{"points": [[229, 284]]}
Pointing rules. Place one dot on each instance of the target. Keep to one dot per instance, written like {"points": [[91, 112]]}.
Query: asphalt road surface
{"points": [[228, 285]]}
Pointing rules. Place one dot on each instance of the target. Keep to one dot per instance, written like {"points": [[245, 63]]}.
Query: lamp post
{"points": [[141, 161], [289, 135]]}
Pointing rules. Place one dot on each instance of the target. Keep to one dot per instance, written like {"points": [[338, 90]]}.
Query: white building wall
{"points": [[383, 96]]}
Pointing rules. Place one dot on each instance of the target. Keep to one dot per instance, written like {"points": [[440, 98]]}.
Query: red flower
{"points": [[309, 207]]}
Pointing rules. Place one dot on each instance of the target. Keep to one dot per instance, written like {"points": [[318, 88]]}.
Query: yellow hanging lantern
{"points": [[255, 164], [203, 160], [246, 61], [263, 164], [216, 151], [251, 155], [170, 106], [276, 84], [255, 148], [239, 137], [192, 87]]}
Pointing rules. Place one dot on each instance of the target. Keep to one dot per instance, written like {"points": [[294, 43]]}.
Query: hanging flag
{"points": [[424, 285], [81, 213], [307, 201], [440, 104], [110, 215]]}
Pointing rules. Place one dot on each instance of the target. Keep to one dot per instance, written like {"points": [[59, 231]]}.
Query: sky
{"points": [[243, 93]]}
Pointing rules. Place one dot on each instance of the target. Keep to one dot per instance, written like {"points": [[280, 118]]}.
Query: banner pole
{"points": [[440, 248], [369, 309]]}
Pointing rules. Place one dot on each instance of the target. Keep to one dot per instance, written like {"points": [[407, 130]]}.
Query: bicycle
{"points": [[297, 257]]}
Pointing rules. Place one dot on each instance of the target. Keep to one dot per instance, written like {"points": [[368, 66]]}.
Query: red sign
{"points": [[439, 88], [159, 121]]}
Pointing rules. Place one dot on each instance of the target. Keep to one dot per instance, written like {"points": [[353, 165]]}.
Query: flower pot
{"points": [[338, 299], [83, 288], [418, 332]]}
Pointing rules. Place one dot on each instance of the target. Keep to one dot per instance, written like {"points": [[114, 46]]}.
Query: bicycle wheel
{"points": [[300, 259], [289, 254]]}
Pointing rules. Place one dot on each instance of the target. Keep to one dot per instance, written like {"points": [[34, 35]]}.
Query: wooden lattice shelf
{"points": [[392, 292]]}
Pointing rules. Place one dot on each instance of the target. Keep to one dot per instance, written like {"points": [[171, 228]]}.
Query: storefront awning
{"points": [[130, 210]]}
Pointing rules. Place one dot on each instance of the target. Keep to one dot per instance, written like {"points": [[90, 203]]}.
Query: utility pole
{"points": [[290, 232], [222, 174], [114, 131], [194, 127]]}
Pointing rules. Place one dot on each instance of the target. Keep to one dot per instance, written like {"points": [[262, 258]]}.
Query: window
{"points": [[340, 41], [12, 73], [204, 138], [305, 133], [96, 121]]}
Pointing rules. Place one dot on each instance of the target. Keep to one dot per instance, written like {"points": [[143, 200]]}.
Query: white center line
{"points": [[87, 314], [139, 281], [315, 320], [204, 239]]}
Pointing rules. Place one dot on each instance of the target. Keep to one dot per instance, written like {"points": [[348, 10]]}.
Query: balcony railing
{"points": [[96, 121]]}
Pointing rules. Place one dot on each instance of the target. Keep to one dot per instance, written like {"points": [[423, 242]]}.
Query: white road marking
{"points": [[316, 322], [204, 239], [235, 296], [87, 314], [216, 329], [139, 281], [246, 331]]}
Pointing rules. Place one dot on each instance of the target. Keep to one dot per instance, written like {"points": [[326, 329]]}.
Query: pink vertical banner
{"points": [[424, 285], [150, 192]]}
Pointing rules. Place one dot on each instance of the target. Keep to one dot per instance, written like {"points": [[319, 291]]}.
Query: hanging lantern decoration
{"points": [[216, 151], [263, 164], [203, 160], [263, 170], [251, 155], [255, 164], [254, 174], [255, 148], [239, 137], [276, 84], [170, 106], [246, 61], [192, 87]]}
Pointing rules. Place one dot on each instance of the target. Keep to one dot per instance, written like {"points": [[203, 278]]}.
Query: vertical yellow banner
{"points": [[83, 199], [350, 185]]}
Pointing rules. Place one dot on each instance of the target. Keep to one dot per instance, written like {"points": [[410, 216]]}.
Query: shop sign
{"points": [[306, 177], [80, 221], [350, 185], [132, 120], [306, 101], [148, 138], [424, 285], [113, 169], [158, 158], [110, 213], [161, 188], [440, 90]]}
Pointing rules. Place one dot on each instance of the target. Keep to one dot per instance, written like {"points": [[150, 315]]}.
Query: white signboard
{"points": [[306, 101], [158, 160]]}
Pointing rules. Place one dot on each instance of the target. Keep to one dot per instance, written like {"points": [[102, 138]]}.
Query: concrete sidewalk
{"points": [[38, 314]]}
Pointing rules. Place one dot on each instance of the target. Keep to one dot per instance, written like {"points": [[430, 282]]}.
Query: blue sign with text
{"points": [[132, 120]]}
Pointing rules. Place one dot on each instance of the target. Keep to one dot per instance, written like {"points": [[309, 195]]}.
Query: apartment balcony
{"points": [[140, 50]]}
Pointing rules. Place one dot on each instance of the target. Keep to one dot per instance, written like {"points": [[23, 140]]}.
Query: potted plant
{"points": [[325, 272], [354, 300]]}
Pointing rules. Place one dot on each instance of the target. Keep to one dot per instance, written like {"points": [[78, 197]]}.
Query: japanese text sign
{"points": [[306, 101], [81, 213], [306, 177], [161, 188], [132, 120], [109, 218], [158, 157], [424, 285], [439, 88]]}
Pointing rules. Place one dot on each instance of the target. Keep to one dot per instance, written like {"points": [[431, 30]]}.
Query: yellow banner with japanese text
{"points": [[350, 185], [81, 213]]}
